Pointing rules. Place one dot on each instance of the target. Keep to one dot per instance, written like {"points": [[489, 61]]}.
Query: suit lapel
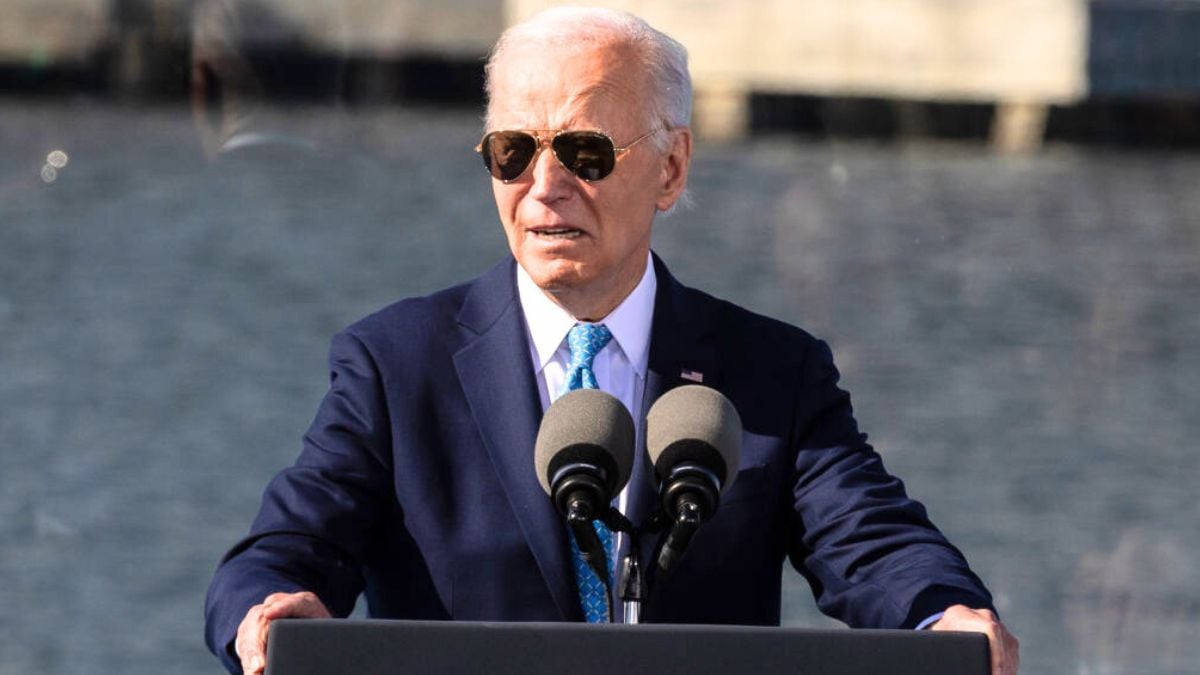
{"points": [[681, 340], [498, 381]]}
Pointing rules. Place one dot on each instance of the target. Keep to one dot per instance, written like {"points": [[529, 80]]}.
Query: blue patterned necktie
{"points": [[585, 341]]}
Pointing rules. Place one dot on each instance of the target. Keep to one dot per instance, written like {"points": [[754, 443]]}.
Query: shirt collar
{"points": [[629, 323]]}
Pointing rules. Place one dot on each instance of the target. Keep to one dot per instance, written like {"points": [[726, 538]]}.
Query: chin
{"points": [[554, 274], [555, 282]]}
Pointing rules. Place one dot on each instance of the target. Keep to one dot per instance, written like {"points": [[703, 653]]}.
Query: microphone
{"points": [[583, 457], [694, 438]]}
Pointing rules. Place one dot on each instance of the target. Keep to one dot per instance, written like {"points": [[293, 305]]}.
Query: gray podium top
{"points": [[336, 646]]}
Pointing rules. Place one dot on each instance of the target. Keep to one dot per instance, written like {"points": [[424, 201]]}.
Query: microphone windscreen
{"points": [[694, 424], [586, 426]]}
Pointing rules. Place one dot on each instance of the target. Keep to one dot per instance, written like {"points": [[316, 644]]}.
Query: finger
{"points": [[275, 598], [1005, 650], [984, 623], [963, 618], [243, 643], [995, 649], [1016, 655], [303, 605], [279, 605], [255, 666], [1012, 652], [1001, 644], [251, 641]]}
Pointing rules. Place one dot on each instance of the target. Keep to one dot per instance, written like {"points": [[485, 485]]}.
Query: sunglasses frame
{"points": [[542, 139]]}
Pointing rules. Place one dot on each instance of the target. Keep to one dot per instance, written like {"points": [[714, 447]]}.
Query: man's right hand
{"points": [[251, 642]]}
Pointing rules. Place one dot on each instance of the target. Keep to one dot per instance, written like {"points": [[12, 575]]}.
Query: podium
{"points": [[377, 647]]}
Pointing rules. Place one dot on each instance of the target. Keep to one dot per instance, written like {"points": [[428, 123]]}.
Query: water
{"points": [[1018, 335]]}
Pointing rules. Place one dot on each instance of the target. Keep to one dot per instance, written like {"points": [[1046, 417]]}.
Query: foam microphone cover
{"points": [[694, 424], [586, 426]]}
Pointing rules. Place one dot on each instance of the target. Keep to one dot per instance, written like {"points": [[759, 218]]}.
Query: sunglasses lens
{"points": [[506, 154], [587, 154]]}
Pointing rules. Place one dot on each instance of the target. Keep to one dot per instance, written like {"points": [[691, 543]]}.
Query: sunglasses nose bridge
{"points": [[549, 173], [545, 141]]}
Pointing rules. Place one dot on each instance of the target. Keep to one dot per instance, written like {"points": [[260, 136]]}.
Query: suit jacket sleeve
{"points": [[870, 553], [317, 517]]}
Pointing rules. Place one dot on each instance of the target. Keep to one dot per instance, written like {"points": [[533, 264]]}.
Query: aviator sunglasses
{"points": [[591, 155]]}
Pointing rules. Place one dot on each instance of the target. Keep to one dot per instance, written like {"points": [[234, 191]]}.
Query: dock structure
{"points": [[38, 33], [1019, 58], [136, 46], [1020, 55]]}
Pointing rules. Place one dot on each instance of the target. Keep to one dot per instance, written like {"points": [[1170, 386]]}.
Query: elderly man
{"points": [[415, 484]]}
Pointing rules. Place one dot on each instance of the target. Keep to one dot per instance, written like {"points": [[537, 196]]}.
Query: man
{"points": [[416, 482], [244, 57]]}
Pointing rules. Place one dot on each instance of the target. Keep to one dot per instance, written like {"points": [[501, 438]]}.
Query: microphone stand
{"points": [[634, 583], [631, 584]]}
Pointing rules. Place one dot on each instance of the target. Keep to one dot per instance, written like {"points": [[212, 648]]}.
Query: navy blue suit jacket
{"points": [[416, 481]]}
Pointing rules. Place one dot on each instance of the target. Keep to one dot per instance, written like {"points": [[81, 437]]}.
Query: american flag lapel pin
{"points": [[692, 375]]}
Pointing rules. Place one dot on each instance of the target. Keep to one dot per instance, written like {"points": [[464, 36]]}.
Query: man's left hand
{"points": [[1006, 657]]}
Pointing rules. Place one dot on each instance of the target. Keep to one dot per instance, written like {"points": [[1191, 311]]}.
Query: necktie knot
{"points": [[585, 340]]}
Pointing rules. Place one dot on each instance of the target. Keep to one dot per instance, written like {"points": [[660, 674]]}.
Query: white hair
{"points": [[580, 28]]}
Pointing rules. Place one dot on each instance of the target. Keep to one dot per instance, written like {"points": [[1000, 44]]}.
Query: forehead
{"points": [[556, 88]]}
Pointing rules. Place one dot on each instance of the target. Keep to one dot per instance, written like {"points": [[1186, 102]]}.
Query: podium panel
{"points": [[376, 647]]}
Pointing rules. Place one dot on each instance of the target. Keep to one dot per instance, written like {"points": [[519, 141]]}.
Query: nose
{"points": [[551, 180]]}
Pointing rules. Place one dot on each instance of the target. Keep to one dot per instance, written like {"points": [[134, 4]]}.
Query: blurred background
{"points": [[988, 207]]}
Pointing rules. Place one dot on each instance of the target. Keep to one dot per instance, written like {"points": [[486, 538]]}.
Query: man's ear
{"points": [[675, 168]]}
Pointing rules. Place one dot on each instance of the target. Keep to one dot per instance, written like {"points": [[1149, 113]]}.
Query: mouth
{"points": [[552, 233]]}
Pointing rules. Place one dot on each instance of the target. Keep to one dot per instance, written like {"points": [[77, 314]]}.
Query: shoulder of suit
{"points": [[739, 325], [414, 320]]}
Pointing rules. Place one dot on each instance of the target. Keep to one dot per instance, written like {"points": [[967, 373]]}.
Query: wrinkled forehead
{"points": [[556, 88]]}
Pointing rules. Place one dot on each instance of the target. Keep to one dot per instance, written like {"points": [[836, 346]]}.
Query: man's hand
{"points": [[251, 643], [1006, 657]]}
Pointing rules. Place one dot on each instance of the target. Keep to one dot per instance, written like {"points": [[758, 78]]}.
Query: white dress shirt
{"points": [[620, 367]]}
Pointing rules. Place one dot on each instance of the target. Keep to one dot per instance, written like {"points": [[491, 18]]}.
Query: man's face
{"points": [[585, 244]]}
